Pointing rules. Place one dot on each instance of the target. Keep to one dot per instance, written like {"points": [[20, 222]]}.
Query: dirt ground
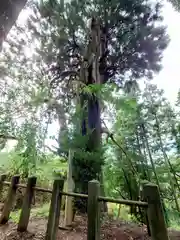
{"points": [[109, 230]]}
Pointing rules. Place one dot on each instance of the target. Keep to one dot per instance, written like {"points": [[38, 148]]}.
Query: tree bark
{"points": [[91, 122]]}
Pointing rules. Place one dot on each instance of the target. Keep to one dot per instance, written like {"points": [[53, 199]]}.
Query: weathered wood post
{"points": [[144, 211], [93, 211], [26, 206], [70, 188], [155, 213], [10, 200], [2, 179], [54, 212]]}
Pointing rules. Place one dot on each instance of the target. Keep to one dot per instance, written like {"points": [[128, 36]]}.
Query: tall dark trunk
{"points": [[88, 166]]}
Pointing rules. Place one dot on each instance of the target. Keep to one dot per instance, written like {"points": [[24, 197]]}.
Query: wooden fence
{"points": [[151, 196]]}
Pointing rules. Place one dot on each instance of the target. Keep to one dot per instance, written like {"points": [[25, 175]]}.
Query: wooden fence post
{"points": [[2, 179], [155, 213], [26, 206], [70, 188], [144, 211], [10, 200], [54, 212], [93, 211]]}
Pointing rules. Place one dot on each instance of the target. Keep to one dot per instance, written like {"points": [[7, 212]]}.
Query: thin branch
{"points": [[8, 137], [110, 135], [62, 75], [178, 175], [51, 150]]}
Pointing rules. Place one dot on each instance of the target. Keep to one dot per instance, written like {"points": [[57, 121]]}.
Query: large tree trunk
{"points": [[88, 167]]}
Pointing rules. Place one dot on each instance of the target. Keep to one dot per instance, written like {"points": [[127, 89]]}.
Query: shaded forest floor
{"points": [[110, 229]]}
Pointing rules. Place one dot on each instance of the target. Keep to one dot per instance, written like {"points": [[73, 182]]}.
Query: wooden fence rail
{"points": [[152, 205]]}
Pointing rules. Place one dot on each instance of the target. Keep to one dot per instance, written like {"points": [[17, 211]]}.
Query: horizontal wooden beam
{"points": [[85, 196]]}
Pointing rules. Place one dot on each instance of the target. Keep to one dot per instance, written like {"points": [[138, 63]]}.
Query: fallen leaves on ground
{"points": [[110, 229]]}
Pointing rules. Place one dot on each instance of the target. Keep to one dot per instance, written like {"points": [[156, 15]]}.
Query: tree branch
{"points": [[51, 150], [62, 75], [8, 137], [110, 135]]}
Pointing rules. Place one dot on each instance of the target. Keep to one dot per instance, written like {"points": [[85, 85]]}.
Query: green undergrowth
{"points": [[124, 213], [174, 216], [45, 171], [42, 211]]}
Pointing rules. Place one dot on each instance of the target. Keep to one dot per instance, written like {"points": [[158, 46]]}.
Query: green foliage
{"points": [[92, 89], [4, 161], [145, 149], [174, 217], [47, 166], [46, 170], [39, 91], [42, 211], [176, 4]]}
